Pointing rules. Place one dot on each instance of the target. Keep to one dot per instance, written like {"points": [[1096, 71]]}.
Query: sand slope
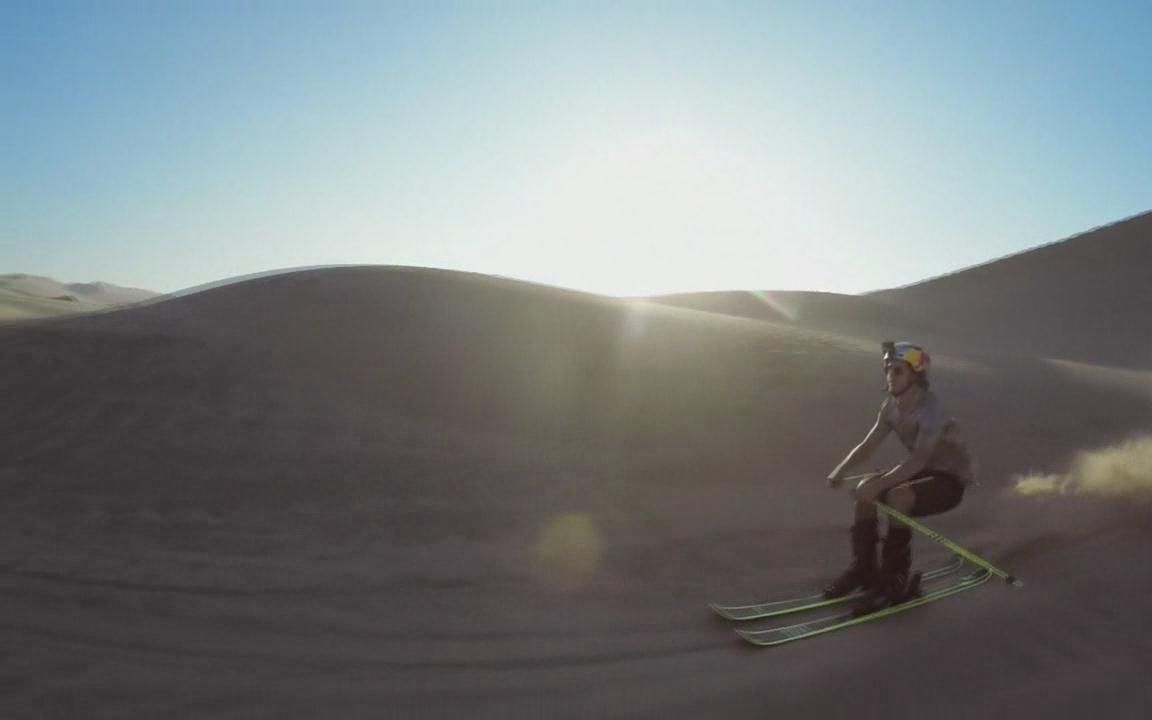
{"points": [[374, 492], [1084, 298]]}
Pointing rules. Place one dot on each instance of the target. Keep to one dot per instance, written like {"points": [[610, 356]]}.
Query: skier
{"points": [[930, 481]]}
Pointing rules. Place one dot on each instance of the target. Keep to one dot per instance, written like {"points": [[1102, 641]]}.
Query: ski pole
{"points": [[933, 535], [865, 476]]}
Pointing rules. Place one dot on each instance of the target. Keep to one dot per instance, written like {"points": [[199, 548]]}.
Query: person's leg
{"points": [[861, 573], [929, 493], [864, 512], [902, 498], [936, 492], [896, 553], [890, 576]]}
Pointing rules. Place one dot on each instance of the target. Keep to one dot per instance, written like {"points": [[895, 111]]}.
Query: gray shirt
{"points": [[928, 423]]}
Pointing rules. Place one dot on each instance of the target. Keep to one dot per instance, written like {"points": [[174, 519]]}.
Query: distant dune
{"points": [[110, 294], [25, 296]]}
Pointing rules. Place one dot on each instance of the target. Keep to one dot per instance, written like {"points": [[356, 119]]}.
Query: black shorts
{"points": [[936, 492]]}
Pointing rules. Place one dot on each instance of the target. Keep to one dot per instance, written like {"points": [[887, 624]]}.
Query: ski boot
{"points": [[861, 574], [894, 583]]}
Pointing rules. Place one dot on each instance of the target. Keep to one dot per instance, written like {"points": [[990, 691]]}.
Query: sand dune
{"points": [[1073, 300], [1084, 298], [845, 314], [28, 297], [375, 492]]}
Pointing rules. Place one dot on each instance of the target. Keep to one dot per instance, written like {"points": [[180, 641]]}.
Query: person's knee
{"points": [[902, 498], [865, 510]]}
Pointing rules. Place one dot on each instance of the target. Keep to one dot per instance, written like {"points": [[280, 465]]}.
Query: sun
{"points": [[656, 212]]}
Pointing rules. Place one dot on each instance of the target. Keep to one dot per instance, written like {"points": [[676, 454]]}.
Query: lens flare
{"points": [[569, 551]]}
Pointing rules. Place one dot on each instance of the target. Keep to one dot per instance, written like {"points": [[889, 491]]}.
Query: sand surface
{"points": [[374, 492]]}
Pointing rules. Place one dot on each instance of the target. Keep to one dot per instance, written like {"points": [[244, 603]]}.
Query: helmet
{"points": [[910, 353]]}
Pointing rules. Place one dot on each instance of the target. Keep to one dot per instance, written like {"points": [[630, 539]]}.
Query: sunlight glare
{"points": [[648, 214]]}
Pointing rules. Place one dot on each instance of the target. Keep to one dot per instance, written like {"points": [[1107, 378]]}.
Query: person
{"points": [[931, 480]]}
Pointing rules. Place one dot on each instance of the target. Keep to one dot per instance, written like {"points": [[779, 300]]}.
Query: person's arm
{"points": [[863, 451], [931, 430], [907, 470]]}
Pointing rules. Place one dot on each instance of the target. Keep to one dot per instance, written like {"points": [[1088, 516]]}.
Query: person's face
{"points": [[898, 375]]}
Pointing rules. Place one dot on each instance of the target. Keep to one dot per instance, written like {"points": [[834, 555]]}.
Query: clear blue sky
{"points": [[623, 148]]}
